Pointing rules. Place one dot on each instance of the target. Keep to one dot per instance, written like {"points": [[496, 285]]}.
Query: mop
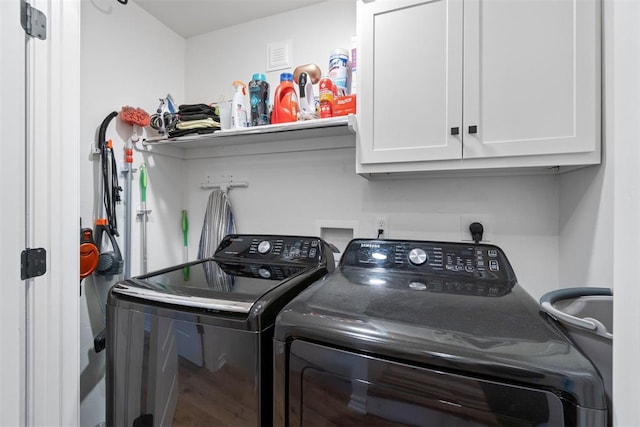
{"points": [[134, 117], [218, 222]]}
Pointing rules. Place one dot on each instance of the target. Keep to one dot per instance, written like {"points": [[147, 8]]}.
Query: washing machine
{"points": [[417, 333], [192, 344]]}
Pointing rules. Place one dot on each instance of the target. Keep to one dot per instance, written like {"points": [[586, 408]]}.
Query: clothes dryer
{"points": [[422, 333], [196, 348]]}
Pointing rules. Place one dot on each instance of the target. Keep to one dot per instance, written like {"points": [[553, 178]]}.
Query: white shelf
{"points": [[263, 139]]}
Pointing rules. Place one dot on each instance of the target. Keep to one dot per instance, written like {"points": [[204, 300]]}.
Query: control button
{"points": [[264, 273], [314, 243], [469, 269], [417, 286], [264, 247], [493, 265], [312, 253], [417, 256], [492, 253]]}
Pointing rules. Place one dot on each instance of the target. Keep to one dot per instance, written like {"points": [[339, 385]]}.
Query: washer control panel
{"points": [[262, 271], [460, 259], [271, 248]]}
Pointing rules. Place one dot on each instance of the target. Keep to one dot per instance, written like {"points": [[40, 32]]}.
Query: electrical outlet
{"points": [[487, 222], [382, 223]]}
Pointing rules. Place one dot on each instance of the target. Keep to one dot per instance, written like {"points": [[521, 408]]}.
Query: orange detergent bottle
{"points": [[285, 101]]}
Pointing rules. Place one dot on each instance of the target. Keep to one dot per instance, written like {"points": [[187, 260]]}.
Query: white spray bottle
{"points": [[238, 109], [307, 100]]}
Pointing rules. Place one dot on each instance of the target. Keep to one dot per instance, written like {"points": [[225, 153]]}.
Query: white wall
{"points": [[622, 44], [216, 59], [128, 58], [586, 225], [288, 193], [586, 199]]}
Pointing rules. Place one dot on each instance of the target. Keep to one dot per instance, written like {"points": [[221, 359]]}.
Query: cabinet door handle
{"points": [[473, 129], [455, 131]]}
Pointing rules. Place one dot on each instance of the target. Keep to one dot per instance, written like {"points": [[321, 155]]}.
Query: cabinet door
{"points": [[410, 80], [531, 77]]}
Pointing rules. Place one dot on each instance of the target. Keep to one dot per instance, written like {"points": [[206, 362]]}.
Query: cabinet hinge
{"points": [[33, 263], [33, 21]]}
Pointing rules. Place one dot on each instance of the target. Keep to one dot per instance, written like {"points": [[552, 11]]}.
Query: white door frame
{"points": [[40, 315], [12, 390]]}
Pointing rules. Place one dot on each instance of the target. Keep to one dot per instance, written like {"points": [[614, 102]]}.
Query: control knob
{"points": [[264, 247], [265, 272], [417, 256]]}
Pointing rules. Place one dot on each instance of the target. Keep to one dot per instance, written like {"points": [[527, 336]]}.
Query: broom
{"points": [[133, 117]]}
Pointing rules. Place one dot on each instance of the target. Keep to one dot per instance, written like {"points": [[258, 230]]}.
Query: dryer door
{"points": [[328, 386]]}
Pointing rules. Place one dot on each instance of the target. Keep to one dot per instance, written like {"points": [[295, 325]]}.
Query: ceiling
{"points": [[194, 17]]}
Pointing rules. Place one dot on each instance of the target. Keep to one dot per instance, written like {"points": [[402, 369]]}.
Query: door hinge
{"points": [[33, 21], [33, 263]]}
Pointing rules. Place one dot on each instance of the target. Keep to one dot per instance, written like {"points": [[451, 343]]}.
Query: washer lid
{"points": [[231, 287], [403, 317], [246, 268]]}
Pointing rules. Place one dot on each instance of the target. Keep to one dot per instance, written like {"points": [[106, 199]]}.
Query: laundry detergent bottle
{"points": [[285, 101], [259, 98], [238, 109]]}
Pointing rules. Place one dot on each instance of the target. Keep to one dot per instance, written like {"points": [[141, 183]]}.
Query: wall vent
{"points": [[279, 55]]}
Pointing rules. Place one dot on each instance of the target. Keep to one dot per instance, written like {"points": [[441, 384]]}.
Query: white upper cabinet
{"points": [[450, 85], [411, 93]]}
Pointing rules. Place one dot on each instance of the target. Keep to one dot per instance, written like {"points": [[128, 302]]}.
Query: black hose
{"points": [[102, 134], [110, 183]]}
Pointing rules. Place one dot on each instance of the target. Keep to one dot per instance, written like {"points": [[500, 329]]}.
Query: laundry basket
{"points": [[586, 314]]}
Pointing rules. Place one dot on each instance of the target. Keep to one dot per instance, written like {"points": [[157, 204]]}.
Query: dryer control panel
{"points": [[445, 258], [274, 249]]}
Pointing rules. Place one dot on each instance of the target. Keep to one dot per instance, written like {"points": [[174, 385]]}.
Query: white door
{"points": [[12, 214], [531, 77], [39, 191], [410, 80]]}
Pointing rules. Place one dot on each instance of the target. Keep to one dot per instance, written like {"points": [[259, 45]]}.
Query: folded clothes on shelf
{"points": [[198, 124], [196, 118], [203, 131], [197, 108]]}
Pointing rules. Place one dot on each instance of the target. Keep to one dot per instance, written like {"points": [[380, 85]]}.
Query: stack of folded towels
{"points": [[196, 118]]}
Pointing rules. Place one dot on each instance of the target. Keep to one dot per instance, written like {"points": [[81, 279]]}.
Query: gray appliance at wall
{"points": [[427, 333], [197, 348]]}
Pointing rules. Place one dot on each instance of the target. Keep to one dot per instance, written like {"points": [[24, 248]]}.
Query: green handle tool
{"points": [[185, 253], [143, 184], [143, 208]]}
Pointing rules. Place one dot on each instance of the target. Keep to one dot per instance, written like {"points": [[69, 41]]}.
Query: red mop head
{"points": [[134, 116]]}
